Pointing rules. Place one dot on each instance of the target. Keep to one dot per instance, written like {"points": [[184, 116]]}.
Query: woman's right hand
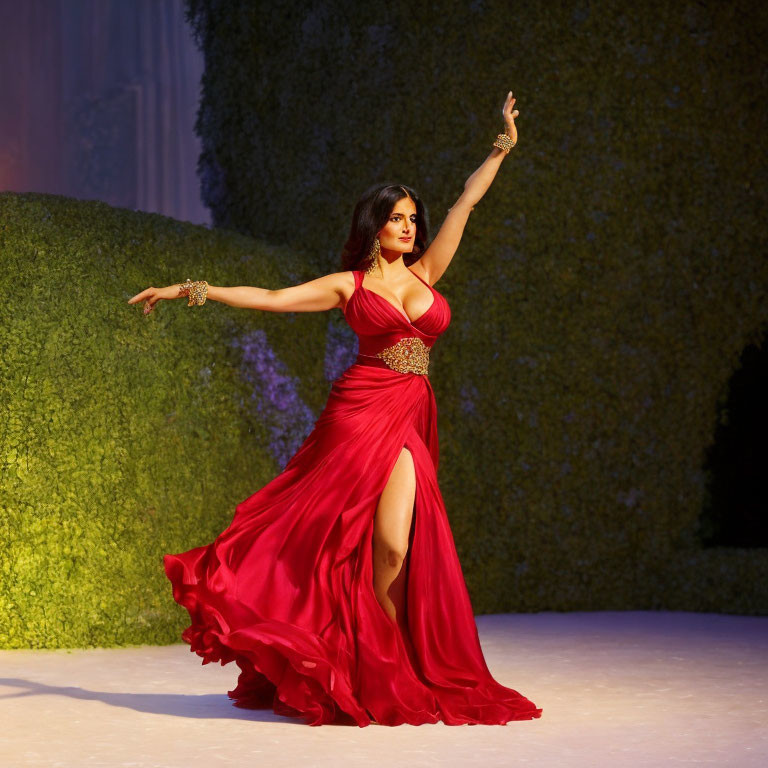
{"points": [[150, 296], [509, 113]]}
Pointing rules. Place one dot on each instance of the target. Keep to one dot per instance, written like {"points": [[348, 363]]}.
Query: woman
{"points": [[337, 588]]}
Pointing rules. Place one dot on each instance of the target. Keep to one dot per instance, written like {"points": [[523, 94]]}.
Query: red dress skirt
{"points": [[286, 591]]}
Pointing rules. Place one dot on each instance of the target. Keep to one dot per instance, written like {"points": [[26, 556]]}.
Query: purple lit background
{"points": [[275, 397]]}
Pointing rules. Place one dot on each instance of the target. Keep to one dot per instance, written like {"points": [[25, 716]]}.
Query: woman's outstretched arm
{"points": [[326, 292], [438, 255]]}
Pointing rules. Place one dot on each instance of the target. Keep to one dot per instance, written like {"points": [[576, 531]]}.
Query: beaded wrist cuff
{"points": [[504, 142], [197, 292]]}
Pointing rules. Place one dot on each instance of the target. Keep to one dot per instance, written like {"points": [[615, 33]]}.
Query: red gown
{"points": [[286, 591]]}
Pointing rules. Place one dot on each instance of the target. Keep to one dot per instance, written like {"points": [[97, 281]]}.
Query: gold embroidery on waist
{"points": [[409, 355]]}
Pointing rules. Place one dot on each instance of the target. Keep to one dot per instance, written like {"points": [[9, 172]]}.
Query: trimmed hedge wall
{"points": [[126, 437], [603, 293], [606, 284]]}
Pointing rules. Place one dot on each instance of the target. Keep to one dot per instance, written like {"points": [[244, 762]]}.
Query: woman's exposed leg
{"points": [[391, 529]]}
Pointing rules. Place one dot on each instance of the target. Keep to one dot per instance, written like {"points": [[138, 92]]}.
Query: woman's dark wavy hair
{"points": [[371, 214]]}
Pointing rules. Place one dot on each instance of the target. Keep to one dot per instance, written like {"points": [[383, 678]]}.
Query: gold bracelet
{"points": [[197, 292], [504, 142]]}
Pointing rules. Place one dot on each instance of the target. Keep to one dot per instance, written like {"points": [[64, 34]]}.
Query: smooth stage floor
{"points": [[636, 688]]}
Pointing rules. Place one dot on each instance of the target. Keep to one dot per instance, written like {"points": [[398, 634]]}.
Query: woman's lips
{"points": [[407, 239]]}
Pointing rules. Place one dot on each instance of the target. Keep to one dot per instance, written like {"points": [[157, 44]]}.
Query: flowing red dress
{"points": [[286, 591]]}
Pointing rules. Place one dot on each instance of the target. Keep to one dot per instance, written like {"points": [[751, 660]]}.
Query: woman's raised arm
{"points": [[438, 255], [316, 295]]}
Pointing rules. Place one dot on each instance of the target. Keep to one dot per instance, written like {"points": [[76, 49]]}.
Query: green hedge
{"points": [[125, 437], [603, 293], [606, 284]]}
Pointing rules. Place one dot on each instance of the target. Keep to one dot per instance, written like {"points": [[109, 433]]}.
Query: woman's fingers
{"points": [[508, 105], [510, 113], [148, 301], [149, 296], [139, 296]]}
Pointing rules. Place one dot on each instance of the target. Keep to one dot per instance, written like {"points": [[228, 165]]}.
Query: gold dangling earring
{"points": [[374, 258]]}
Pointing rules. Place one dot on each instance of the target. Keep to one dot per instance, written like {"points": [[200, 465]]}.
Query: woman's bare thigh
{"points": [[392, 522]]}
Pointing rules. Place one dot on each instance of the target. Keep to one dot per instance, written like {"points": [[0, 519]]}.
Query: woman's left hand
{"points": [[510, 114]]}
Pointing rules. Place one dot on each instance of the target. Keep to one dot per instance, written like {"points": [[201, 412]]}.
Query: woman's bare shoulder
{"points": [[347, 280], [418, 268], [340, 281], [344, 282]]}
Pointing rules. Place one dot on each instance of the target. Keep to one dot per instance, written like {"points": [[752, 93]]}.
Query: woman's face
{"points": [[399, 233]]}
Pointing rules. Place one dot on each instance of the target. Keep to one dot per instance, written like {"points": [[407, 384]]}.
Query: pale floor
{"points": [[617, 689]]}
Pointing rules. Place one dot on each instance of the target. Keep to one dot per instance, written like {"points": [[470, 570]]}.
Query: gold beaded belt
{"points": [[409, 355]]}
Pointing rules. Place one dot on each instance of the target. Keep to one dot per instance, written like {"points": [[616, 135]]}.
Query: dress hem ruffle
{"points": [[274, 675]]}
